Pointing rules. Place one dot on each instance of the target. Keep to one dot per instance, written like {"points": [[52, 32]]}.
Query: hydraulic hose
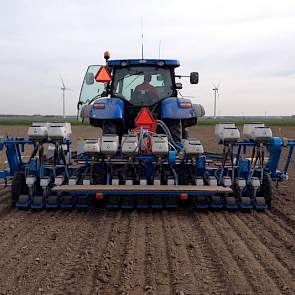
{"points": [[168, 133]]}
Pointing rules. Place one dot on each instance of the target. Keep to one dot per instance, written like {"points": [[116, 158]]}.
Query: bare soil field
{"points": [[149, 252]]}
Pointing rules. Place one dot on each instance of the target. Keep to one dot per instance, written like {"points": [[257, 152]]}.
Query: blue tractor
{"points": [[112, 96], [144, 157]]}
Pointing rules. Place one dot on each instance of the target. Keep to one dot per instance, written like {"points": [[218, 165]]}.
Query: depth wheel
{"points": [[266, 189], [18, 187]]}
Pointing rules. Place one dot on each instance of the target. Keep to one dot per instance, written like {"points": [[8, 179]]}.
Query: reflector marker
{"points": [[103, 75]]}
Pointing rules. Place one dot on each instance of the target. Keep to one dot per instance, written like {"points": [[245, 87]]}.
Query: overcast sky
{"points": [[246, 46]]}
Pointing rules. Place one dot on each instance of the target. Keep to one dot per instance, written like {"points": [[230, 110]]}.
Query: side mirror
{"points": [[79, 105], [194, 77], [89, 78], [178, 85]]}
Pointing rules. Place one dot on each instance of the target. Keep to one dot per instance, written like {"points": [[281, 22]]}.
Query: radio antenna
{"points": [[160, 43], [141, 38]]}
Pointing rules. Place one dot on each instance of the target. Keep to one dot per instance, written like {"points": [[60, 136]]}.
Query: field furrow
{"points": [[275, 243], [275, 270], [207, 271], [108, 273], [182, 251]]}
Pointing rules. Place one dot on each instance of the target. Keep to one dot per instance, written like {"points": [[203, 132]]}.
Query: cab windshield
{"points": [[142, 85]]}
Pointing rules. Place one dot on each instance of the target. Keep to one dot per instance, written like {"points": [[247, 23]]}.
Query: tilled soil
{"points": [[149, 252]]}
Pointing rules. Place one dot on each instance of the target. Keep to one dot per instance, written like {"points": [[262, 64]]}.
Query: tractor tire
{"points": [[18, 187], [266, 189], [175, 130], [109, 128], [185, 133]]}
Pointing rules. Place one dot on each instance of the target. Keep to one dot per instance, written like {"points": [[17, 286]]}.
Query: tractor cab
{"points": [[113, 94], [143, 83]]}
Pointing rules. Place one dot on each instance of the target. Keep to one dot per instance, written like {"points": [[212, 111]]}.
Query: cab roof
{"points": [[128, 62]]}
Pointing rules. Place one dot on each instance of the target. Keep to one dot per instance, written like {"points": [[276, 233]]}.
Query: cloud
{"points": [[249, 46]]}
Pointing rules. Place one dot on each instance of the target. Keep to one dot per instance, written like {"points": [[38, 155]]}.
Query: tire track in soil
{"points": [[183, 278], [10, 218], [4, 195], [39, 257], [158, 272], [139, 256], [47, 256], [19, 235], [283, 253], [151, 251], [277, 230], [86, 263], [16, 247], [6, 211], [4, 190], [261, 281], [288, 207], [96, 277], [149, 254], [14, 222], [5, 205], [285, 204], [206, 270], [237, 274], [81, 257], [107, 276], [278, 220], [271, 265], [282, 215], [126, 282]]}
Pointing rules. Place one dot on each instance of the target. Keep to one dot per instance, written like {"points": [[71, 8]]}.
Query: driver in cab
{"points": [[146, 88]]}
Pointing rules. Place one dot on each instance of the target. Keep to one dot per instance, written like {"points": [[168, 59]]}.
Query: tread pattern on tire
{"points": [[266, 188], [18, 186]]}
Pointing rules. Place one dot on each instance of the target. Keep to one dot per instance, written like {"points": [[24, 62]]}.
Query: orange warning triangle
{"points": [[103, 75], [145, 119]]}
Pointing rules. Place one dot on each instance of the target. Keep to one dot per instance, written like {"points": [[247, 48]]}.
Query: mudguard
{"points": [[171, 109], [113, 109]]}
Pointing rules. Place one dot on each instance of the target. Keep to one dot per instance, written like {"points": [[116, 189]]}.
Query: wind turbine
{"points": [[63, 89], [216, 92]]}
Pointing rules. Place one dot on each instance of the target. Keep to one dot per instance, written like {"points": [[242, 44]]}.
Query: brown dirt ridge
{"points": [[152, 251]]}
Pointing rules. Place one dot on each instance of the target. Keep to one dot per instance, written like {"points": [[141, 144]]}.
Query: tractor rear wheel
{"points": [[113, 127], [175, 129], [109, 127], [18, 187]]}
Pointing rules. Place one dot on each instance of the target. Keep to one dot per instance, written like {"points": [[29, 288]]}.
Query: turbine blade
{"points": [[218, 96], [62, 82]]}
